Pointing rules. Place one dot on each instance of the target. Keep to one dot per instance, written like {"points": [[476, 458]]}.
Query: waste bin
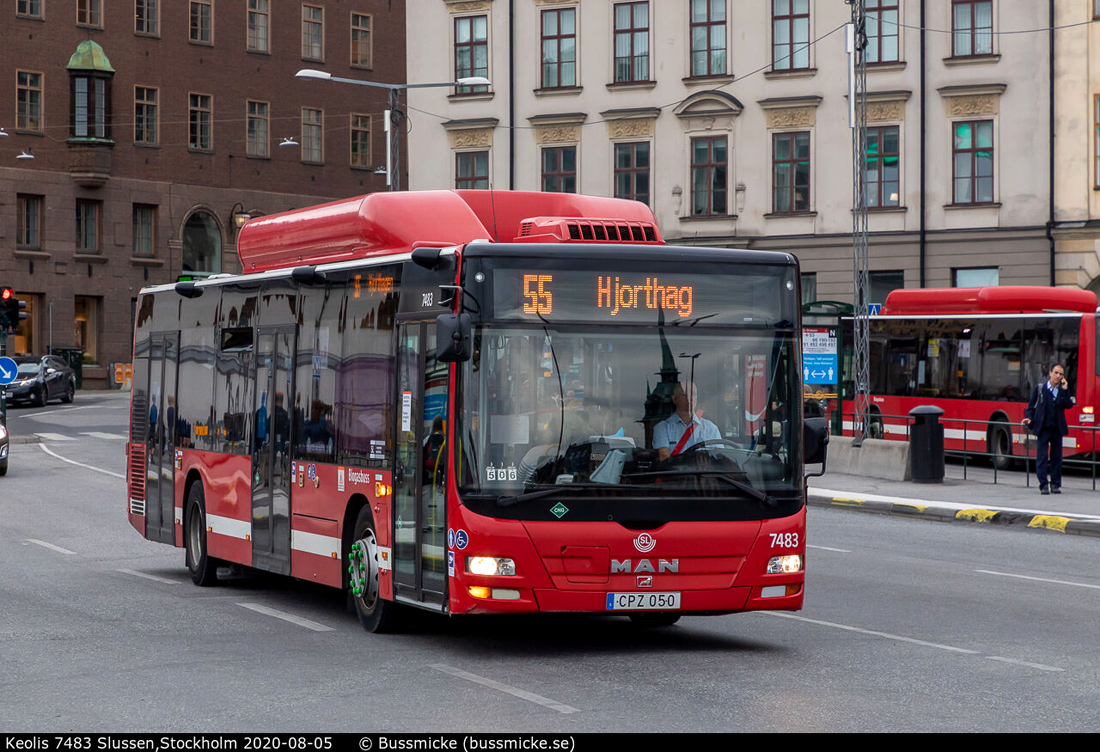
{"points": [[926, 444], [74, 356]]}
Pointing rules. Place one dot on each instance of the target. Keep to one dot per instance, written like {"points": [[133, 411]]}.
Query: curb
{"points": [[939, 513]]}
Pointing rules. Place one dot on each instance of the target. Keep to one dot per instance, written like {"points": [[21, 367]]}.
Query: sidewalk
{"points": [[975, 499]]}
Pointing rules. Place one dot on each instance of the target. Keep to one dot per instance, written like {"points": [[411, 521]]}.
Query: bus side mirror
{"points": [[815, 442], [452, 337]]}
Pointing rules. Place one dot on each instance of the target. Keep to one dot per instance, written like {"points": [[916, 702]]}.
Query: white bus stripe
{"points": [[230, 527], [312, 543]]}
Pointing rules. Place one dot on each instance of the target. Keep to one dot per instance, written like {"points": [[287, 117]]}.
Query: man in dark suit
{"points": [[1045, 417]]}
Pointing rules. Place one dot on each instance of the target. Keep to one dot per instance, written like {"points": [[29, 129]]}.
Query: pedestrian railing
{"points": [[1086, 458]]}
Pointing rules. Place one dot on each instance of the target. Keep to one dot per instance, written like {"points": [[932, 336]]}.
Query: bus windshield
{"points": [[576, 417]]}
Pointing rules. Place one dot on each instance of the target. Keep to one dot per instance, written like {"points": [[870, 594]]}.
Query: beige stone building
{"points": [[730, 118]]}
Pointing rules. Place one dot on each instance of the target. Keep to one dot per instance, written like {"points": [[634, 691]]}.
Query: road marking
{"points": [[287, 617], [900, 638], [872, 633], [152, 577], [514, 691], [48, 451], [55, 437], [51, 546], [1028, 664], [827, 548], [70, 409], [105, 436], [1037, 579]]}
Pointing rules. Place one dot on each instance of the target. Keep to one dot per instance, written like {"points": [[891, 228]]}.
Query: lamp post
{"points": [[392, 117]]}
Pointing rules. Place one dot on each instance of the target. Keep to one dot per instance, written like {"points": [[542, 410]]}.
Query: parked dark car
{"points": [[3, 449], [40, 380]]}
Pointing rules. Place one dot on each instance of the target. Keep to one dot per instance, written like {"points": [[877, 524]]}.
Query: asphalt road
{"points": [[909, 625]]}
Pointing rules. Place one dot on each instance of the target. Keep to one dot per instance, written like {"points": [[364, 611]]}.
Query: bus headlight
{"points": [[785, 564], [489, 565]]}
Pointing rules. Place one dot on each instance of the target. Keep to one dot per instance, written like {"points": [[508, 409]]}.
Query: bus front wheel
{"points": [[375, 613]]}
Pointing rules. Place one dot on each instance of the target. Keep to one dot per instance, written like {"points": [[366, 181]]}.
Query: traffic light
{"points": [[11, 309]]}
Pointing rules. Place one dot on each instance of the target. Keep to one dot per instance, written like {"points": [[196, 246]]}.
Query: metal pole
{"points": [[857, 78]]}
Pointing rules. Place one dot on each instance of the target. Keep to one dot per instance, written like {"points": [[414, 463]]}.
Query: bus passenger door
{"points": [[160, 498], [420, 482], [271, 450]]}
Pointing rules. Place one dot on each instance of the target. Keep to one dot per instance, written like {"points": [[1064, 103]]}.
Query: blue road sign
{"points": [[8, 369]]}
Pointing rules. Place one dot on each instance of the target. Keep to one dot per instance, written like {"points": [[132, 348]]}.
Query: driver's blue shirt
{"points": [[667, 433]]}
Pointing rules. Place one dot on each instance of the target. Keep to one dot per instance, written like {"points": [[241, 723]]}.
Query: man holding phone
{"points": [[1045, 417]]}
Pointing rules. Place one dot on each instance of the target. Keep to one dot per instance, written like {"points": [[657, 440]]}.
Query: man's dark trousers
{"points": [[1049, 448]]}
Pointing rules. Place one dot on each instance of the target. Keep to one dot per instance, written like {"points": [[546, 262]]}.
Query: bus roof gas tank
{"points": [[1007, 299], [381, 224]]}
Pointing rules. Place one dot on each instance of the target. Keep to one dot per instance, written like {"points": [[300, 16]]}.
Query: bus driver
{"points": [[683, 429]]}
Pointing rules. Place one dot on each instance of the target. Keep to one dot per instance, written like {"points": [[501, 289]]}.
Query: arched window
{"points": [[202, 244], [90, 75]]}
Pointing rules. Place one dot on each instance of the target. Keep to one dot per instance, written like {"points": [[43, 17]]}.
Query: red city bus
{"points": [[977, 353], [448, 400]]}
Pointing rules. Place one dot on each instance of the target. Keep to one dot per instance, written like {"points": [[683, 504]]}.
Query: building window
{"points": [[559, 169], [200, 116], [86, 327], [202, 21], [988, 276], [144, 224], [29, 8], [146, 17], [258, 129], [1096, 128], [145, 115], [882, 284], [708, 37], [971, 27], [709, 167], [259, 17], [89, 13], [632, 171], [882, 31], [631, 42], [790, 172], [28, 101], [471, 51], [202, 244], [559, 48], [472, 170], [360, 40], [360, 141], [313, 32], [91, 98], [28, 233], [972, 172], [809, 287], [312, 136], [790, 34], [87, 226], [882, 180]]}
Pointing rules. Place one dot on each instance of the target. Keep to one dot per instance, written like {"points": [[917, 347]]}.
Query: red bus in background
{"points": [[977, 353], [447, 400]]}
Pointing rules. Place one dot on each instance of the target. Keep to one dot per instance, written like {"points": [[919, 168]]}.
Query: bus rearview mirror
{"points": [[452, 337], [815, 442]]}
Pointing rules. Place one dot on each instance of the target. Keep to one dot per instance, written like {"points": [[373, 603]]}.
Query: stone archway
{"points": [[202, 243]]}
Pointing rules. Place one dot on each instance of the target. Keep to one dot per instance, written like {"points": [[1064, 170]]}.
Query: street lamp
{"points": [[392, 118]]}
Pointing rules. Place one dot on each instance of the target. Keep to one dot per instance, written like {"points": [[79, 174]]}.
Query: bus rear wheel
{"points": [[375, 613], [203, 567], [999, 446]]}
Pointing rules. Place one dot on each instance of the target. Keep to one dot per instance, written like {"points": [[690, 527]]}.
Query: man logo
{"points": [[645, 581], [645, 543]]}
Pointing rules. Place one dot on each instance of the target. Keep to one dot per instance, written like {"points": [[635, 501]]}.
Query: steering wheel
{"points": [[693, 450]]}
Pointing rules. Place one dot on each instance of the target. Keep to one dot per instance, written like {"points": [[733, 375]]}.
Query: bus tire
{"points": [[376, 614], [203, 567], [999, 446], [659, 619], [875, 427]]}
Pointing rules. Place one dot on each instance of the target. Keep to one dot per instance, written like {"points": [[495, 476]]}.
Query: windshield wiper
{"points": [[764, 498]]}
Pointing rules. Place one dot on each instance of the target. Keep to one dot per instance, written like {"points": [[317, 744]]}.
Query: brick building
{"points": [[156, 128]]}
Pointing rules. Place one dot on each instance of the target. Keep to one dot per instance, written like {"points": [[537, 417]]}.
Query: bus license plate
{"points": [[643, 601]]}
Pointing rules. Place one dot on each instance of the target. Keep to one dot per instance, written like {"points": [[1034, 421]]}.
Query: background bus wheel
{"points": [[375, 614], [655, 620], [999, 446], [203, 568], [875, 428]]}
